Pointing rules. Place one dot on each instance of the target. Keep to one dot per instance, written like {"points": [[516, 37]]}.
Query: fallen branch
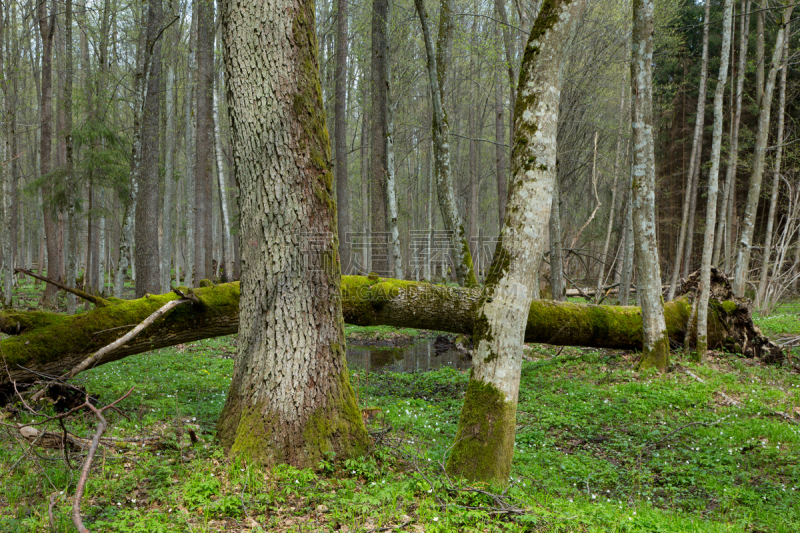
{"points": [[102, 424], [96, 300]]}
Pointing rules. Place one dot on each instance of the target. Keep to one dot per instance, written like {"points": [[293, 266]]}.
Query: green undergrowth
{"points": [[599, 448], [784, 320]]}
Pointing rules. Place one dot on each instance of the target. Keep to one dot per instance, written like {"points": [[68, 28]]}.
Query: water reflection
{"points": [[414, 358]]}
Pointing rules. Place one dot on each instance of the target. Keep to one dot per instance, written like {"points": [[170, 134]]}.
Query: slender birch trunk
{"points": [[690, 196], [713, 184], [484, 445], [655, 352], [751, 207], [437, 63], [227, 240], [776, 180], [391, 197], [725, 226]]}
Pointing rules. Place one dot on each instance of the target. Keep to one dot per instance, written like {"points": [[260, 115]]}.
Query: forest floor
{"points": [[599, 447]]}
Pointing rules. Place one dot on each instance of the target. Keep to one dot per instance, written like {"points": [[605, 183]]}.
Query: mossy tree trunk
{"points": [[290, 399], [655, 352], [484, 444], [52, 344]]}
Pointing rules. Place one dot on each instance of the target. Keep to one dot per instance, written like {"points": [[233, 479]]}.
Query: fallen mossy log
{"points": [[51, 344]]}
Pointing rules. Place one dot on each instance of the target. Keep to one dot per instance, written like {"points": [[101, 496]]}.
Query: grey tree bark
{"points": [[713, 184], [340, 135], [70, 182], [204, 143], [558, 289], [290, 398], [167, 250], [484, 444], [655, 352], [189, 147], [759, 154], [227, 239], [146, 252], [437, 63], [690, 197]]}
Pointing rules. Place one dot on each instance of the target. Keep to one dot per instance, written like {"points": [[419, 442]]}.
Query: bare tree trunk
{"points": [[760, 54], [167, 251], [204, 143], [47, 27], [72, 223], [690, 197], [227, 240], [725, 226], [290, 400], [189, 146], [378, 136], [748, 224], [340, 136], [484, 444], [655, 352], [776, 177], [146, 252], [713, 184], [391, 196], [437, 63], [558, 289], [499, 149]]}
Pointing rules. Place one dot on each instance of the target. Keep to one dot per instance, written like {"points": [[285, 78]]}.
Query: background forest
{"points": [[111, 117]]}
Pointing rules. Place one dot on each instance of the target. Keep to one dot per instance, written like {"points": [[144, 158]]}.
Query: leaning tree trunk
{"points": [[776, 180], [484, 444], [53, 344], [759, 159], [655, 352], [437, 62], [713, 185], [290, 399]]}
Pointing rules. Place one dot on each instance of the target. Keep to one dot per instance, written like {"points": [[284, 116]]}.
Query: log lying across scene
{"points": [[52, 344]]}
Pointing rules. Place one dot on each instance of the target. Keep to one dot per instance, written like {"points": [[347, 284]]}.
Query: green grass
{"points": [[785, 320], [599, 448]]}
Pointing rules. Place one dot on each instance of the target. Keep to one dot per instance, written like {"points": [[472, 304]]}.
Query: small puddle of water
{"points": [[417, 357]]}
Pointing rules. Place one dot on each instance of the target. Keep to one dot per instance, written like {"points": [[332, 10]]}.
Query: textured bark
{"points": [[655, 352], [558, 289], [290, 398], [683, 250], [340, 136], [724, 228], [776, 180], [53, 344], [189, 146], [391, 197], [378, 135], [713, 184], [759, 160], [459, 243], [204, 143], [47, 26], [484, 444], [500, 151], [146, 252], [169, 183]]}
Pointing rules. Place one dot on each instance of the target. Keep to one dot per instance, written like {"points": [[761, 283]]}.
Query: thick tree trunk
{"points": [[437, 63], [655, 352], [713, 185], [53, 344], [759, 159], [189, 147], [290, 399], [484, 444], [146, 252]]}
